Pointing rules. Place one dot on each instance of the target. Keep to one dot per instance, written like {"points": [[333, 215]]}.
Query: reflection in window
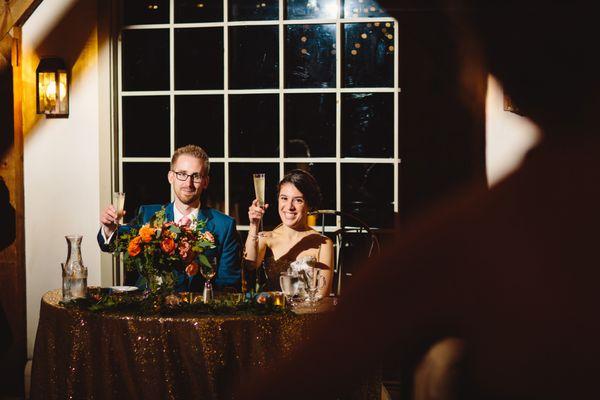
{"points": [[254, 125], [253, 10], [310, 125], [199, 120], [137, 12], [368, 125], [214, 195], [143, 118], [310, 56], [198, 11], [193, 47], [363, 9], [369, 54], [253, 57], [145, 59], [308, 9], [241, 191], [145, 183], [367, 192]]}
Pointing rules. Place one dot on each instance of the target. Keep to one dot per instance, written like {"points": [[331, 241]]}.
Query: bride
{"points": [[292, 244]]}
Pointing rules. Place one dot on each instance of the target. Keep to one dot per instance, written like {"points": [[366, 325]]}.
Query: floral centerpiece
{"points": [[159, 247]]}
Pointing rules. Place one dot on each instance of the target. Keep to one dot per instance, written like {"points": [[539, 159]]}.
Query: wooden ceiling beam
{"points": [[15, 12]]}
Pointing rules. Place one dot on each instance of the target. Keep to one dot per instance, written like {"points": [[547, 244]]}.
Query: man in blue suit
{"points": [[188, 178]]}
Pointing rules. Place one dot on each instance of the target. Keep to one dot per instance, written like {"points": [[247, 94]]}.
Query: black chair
{"points": [[354, 243]]}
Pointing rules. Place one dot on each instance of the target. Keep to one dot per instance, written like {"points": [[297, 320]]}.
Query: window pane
{"points": [[145, 183], [255, 10], [241, 191], [253, 57], [310, 56], [199, 58], [368, 192], [198, 11], [369, 54], [368, 125], [324, 173], [254, 125], [305, 9], [214, 195], [137, 12], [310, 125], [199, 120], [146, 126], [363, 9], [145, 59]]}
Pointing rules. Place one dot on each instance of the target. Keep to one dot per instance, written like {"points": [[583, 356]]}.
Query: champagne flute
{"points": [[259, 191], [119, 204], [118, 201]]}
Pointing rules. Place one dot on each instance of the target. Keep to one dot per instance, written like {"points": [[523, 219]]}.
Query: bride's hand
{"points": [[256, 213]]}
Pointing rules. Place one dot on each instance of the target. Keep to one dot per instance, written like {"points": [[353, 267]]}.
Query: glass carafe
{"points": [[74, 272]]}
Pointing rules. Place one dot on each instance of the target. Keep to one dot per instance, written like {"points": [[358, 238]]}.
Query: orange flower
{"points": [[191, 269], [146, 233], [134, 247], [168, 245], [209, 237], [185, 250]]}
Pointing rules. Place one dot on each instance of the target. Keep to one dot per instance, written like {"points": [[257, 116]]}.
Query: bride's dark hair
{"points": [[305, 183]]}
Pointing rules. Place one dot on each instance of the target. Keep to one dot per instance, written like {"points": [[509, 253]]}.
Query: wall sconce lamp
{"points": [[52, 83]]}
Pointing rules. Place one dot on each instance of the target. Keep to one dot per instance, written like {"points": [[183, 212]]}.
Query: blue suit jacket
{"points": [[227, 241]]}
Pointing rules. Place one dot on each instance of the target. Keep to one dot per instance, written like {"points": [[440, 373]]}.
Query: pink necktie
{"points": [[185, 221]]}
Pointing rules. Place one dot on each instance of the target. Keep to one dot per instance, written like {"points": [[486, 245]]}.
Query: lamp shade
{"points": [[52, 83]]}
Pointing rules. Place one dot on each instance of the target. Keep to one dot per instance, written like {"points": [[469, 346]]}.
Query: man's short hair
{"points": [[194, 151]]}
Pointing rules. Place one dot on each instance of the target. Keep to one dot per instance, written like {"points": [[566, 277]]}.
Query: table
{"points": [[81, 354]]}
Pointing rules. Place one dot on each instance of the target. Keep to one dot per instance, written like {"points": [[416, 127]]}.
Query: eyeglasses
{"points": [[182, 176]]}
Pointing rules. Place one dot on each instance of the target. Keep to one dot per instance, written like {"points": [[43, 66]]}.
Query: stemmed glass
{"points": [[314, 280], [118, 201], [208, 272], [259, 191], [289, 285]]}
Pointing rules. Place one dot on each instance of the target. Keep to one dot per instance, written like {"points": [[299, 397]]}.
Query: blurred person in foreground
{"points": [[511, 273]]}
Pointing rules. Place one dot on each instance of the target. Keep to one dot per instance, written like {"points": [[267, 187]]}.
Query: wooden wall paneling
{"points": [[13, 335]]}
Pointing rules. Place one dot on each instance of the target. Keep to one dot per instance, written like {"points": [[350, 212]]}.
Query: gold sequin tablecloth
{"points": [[84, 355]]}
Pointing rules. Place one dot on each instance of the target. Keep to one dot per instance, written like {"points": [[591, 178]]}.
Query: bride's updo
{"points": [[305, 183]]}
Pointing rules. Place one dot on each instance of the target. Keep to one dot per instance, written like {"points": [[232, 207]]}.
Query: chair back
{"points": [[353, 240]]}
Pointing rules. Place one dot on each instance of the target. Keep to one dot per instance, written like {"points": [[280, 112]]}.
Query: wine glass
{"points": [[259, 191], [208, 272], [289, 285], [314, 280]]}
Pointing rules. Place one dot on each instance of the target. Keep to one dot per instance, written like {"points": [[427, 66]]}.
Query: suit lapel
{"points": [[204, 214], [169, 214]]}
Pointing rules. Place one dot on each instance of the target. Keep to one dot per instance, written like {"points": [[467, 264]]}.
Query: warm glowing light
{"points": [[388, 24], [52, 88], [303, 39], [376, 24], [200, 5], [363, 35], [389, 36], [304, 51], [391, 48], [354, 52], [357, 45]]}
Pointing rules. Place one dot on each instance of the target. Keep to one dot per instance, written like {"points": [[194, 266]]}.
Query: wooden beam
{"points": [[15, 13]]}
